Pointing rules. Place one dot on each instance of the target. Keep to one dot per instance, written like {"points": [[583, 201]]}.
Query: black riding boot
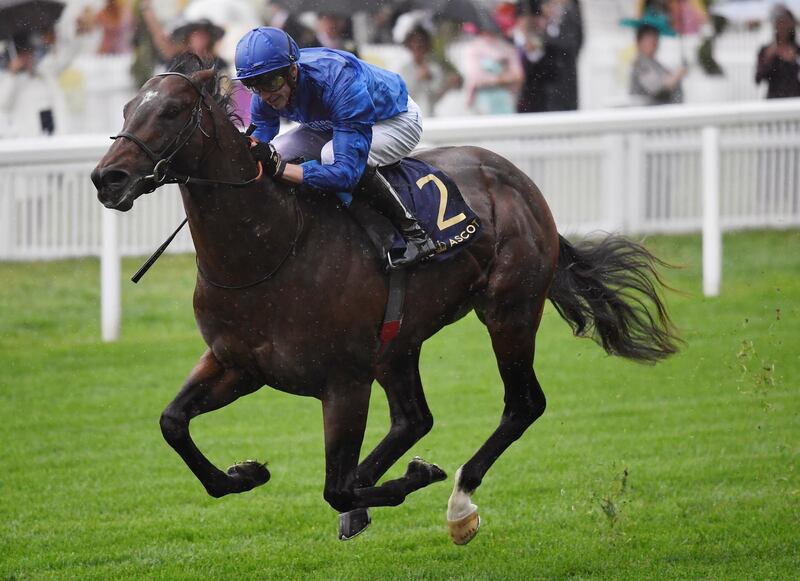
{"points": [[380, 194]]}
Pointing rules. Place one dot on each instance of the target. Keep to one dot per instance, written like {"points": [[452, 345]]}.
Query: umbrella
{"points": [[18, 16], [464, 11], [653, 19], [338, 7]]}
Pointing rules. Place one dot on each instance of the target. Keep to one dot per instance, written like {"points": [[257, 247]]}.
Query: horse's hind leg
{"points": [[210, 387], [512, 328], [345, 404], [410, 416], [410, 419]]}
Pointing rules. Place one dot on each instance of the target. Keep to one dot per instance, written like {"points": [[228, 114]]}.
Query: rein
{"points": [[162, 172], [289, 251]]}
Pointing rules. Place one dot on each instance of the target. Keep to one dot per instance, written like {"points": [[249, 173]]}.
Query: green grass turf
{"points": [[684, 470]]}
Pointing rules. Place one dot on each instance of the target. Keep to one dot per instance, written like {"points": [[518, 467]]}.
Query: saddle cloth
{"points": [[437, 203]]}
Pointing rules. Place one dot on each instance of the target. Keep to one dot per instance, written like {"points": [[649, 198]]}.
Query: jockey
{"points": [[353, 116]]}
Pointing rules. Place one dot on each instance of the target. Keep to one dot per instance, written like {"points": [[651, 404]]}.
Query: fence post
{"points": [[634, 177], [712, 233], [7, 218], [614, 182], [110, 270]]}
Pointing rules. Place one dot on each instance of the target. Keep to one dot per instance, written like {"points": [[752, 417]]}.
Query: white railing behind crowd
{"points": [[633, 170]]}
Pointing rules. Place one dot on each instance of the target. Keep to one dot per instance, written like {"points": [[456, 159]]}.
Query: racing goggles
{"points": [[267, 83]]}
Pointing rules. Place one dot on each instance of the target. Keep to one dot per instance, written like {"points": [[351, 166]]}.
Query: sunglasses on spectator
{"points": [[270, 85]]}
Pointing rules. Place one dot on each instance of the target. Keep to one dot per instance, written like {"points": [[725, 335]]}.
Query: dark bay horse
{"points": [[291, 294]]}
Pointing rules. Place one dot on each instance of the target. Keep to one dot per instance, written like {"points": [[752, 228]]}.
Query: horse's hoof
{"points": [[353, 523], [247, 475], [419, 467], [464, 529]]}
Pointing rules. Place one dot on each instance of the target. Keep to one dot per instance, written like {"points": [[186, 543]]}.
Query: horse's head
{"points": [[161, 138]]}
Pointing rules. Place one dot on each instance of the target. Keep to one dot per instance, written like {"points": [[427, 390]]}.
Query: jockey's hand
{"points": [[272, 162]]}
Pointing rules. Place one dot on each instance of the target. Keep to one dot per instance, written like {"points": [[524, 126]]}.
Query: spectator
{"points": [[505, 15], [115, 20], [383, 21], [281, 18], [196, 36], [31, 100], [145, 54], [687, 16], [537, 64], [563, 38], [662, 7], [334, 31], [426, 79], [778, 62], [651, 82], [493, 74]]}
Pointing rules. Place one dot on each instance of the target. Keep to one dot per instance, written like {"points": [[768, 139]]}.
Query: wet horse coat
{"points": [[310, 293]]}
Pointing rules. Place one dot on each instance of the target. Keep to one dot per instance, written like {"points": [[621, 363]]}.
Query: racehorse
{"points": [[290, 293]]}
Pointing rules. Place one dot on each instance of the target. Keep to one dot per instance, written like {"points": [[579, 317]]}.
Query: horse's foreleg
{"points": [[207, 388], [513, 343], [410, 416]]}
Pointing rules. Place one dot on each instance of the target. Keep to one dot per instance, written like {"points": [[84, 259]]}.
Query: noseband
{"points": [[162, 171]]}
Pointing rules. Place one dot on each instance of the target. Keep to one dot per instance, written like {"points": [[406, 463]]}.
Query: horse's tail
{"points": [[609, 290]]}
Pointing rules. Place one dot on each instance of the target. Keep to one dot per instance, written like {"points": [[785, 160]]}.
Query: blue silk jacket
{"points": [[337, 91]]}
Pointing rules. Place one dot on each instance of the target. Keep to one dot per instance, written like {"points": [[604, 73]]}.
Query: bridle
{"points": [[163, 173]]}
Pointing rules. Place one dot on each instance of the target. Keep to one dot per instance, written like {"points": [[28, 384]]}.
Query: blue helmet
{"points": [[263, 50]]}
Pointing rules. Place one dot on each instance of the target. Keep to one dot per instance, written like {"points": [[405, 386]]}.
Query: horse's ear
{"points": [[207, 79]]}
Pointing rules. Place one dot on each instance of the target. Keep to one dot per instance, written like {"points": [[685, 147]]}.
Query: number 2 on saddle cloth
{"points": [[437, 203]]}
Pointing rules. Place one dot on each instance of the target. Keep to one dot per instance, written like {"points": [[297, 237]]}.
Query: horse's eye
{"points": [[171, 112]]}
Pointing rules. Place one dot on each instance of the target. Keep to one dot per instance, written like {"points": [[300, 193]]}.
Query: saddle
{"points": [[434, 199]]}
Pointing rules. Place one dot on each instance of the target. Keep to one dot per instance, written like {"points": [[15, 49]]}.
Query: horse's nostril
{"points": [[113, 179]]}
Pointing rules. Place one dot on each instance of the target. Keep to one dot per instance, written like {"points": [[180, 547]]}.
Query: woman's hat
{"points": [[412, 21], [185, 27], [653, 20]]}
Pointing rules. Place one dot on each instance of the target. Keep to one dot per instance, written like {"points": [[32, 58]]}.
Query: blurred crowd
{"points": [[515, 56]]}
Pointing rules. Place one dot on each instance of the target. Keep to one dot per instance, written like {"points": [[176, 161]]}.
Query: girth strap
{"points": [[393, 317]]}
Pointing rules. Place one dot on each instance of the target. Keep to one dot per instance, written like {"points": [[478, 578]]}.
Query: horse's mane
{"points": [[189, 63]]}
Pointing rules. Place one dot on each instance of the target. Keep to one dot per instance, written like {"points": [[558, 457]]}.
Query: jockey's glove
{"points": [[271, 160]]}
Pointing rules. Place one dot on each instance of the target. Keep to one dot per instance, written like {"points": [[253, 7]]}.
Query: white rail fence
{"points": [[630, 170], [640, 170], [49, 208]]}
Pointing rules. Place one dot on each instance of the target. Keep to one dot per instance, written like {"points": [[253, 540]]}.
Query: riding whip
{"points": [[150, 261]]}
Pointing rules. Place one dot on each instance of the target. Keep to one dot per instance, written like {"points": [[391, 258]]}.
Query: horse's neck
{"points": [[237, 230]]}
